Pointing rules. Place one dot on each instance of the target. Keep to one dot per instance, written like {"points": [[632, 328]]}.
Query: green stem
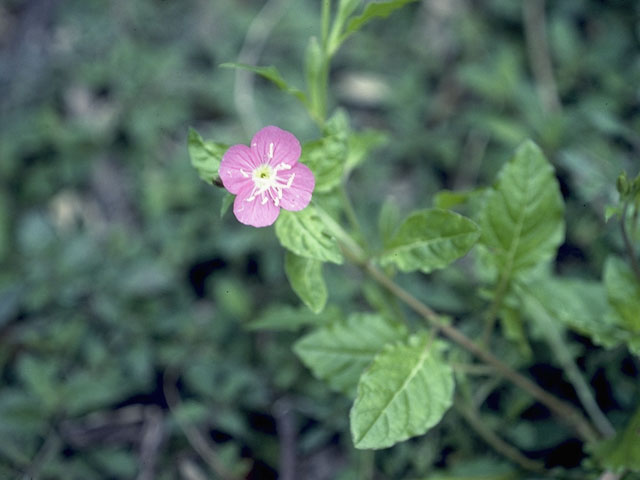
{"points": [[491, 438], [627, 243], [496, 304], [561, 409], [324, 28]]}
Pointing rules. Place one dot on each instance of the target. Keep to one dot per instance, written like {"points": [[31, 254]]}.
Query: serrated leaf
{"points": [[205, 156], [305, 277], [406, 390], [272, 74], [623, 292], [621, 452], [522, 219], [340, 351], [372, 11], [581, 306], [430, 239], [304, 234], [327, 156]]}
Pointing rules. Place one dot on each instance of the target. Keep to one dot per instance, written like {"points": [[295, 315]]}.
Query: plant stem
{"points": [[565, 411], [324, 28], [490, 437], [627, 243]]}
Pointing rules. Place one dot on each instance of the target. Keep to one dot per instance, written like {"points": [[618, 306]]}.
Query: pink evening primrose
{"points": [[266, 177]]}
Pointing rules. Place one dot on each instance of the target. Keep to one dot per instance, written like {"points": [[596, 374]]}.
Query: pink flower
{"points": [[266, 177]]}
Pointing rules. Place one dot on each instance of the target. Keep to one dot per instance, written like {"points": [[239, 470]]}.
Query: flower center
{"points": [[268, 182]]}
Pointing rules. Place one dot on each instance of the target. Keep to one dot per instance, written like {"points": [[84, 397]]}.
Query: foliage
{"points": [[132, 314]]}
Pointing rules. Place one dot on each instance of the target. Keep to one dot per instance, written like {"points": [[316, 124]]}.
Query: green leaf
{"points": [[623, 292], [205, 156], [372, 11], [304, 234], [522, 219], [227, 201], [388, 220], [360, 144], [272, 74], [305, 277], [621, 452], [286, 317], [406, 390], [430, 239], [327, 156], [340, 351], [345, 9], [579, 305]]}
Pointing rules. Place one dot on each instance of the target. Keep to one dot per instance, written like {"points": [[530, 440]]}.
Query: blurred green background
{"points": [[124, 297]]}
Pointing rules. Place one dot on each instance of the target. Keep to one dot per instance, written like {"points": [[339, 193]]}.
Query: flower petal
{"points": [[298, 195], [274, 145], [236, 166], [254, 212]]}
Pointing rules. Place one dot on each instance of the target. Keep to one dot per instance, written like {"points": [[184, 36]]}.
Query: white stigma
{"points": [[268, 183]]}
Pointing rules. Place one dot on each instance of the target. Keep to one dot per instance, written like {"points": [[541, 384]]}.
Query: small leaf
{"points": [[621, 452], [285, 317], [340, 351], [305, 277], [522, 219], [360, 144], [372, 11], [227, 201], [327, 156], [205, 156], [406, 390], [623, 292], [430, 239], [272, 74], [304, 234]]}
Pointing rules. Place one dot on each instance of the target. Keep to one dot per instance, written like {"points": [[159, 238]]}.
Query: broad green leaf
{"points": [[430, 239], [339, 352], [272, 74], [622, 452], [327, 156], [581, 306], [623, 292], [305, 277], [372, 11], [406, 390], [205, 156], [304, 234], [522, 219]]}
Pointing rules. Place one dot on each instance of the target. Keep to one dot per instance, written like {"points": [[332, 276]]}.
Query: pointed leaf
{"points": [[272, 74], [305, 277], [339, 352], [304, 234], [522, 219], [430, 239], [372, 11], [205, 156], [406, 390]]}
